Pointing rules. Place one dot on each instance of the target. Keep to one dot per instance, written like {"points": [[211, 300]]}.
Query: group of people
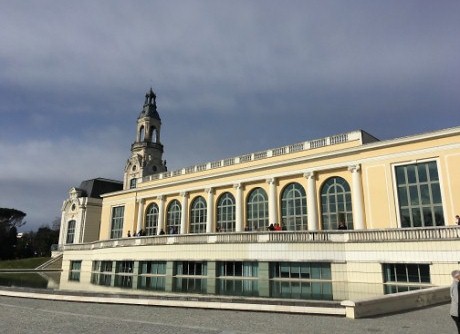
{"points": [[276, 227]]}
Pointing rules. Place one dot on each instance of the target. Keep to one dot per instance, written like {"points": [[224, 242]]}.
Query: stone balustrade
{"points": [[410, 234], [309, 145]]}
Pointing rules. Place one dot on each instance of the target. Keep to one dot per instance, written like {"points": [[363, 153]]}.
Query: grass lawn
{"points": [[30, 263]]}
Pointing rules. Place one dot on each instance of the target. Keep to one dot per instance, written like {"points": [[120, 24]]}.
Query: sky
{"points": [[231, 77]]}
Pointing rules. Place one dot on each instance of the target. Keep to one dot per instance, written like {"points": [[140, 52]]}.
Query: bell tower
{"points": [[147, 150]]}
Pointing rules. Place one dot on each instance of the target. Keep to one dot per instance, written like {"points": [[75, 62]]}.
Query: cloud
{"points": [[231, 77]]}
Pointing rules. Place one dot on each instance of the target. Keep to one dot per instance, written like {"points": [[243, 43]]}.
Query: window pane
{"points": [[411, 174], [422, 175], [400, 175], [402, 195], [433, 171]]}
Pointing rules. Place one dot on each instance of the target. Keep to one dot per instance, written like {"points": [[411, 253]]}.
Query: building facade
{"points": [[301, 220], [81, 211]]}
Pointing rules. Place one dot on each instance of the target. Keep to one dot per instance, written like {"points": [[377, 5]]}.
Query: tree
{"points": [[11, 217], [10, 220], [43, 239]]}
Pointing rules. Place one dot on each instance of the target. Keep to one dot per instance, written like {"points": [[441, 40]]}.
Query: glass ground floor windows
{"points": [[400, 277], [285, 280], [152, 275], [101, 273], [295, 280], [237, 269], [190, 268], [300, 270]]}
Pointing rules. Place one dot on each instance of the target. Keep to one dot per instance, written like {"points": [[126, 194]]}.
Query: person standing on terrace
{"points": [[454, 288]]}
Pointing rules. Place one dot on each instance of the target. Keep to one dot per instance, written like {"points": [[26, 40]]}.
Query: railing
{"points": [[245, 158], [409, 235], [427, 233]]}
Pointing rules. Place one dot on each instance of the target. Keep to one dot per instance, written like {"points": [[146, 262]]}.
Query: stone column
{"points": [[238, 207], [357, 197], [161, 214], [209, 210], [82, 225], [272, 207], [184, 214], [140, 216], [312, 212]]}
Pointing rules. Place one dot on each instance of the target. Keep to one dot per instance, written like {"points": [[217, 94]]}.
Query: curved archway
{"points": [[174, 214], [198, 213], [257, 210], [294, 207], [336, 204], [226, 213], [151, 219]]}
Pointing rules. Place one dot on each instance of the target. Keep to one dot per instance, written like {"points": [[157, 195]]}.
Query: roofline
{"points": [[365, 147]]}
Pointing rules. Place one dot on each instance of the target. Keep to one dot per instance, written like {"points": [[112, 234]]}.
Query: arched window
{"points": [[198, 215], [336, 203], [226, 213], [153, 134], [141, 133], [173, 217], [70, 232], [151, 219], [294, 207], [257, 210]]}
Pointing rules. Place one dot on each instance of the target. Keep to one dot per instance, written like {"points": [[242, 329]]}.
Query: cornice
{"points": [[215, 174]]}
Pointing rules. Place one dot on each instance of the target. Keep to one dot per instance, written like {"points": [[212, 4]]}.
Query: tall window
{"points": [[174, 215], [257, 210], [198, 215], [151, 220], [226, 213], [294, 207], [336, 203], [70, 232], [419, 195], [117, 222]]}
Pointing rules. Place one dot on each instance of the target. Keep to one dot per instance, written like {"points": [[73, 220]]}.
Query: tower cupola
{"points": [[147, 150]]}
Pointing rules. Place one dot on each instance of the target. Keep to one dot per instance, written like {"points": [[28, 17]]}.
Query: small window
{"points": [[237, 269], [190, 268], [74, 273], [404, 273], [132, 183]]}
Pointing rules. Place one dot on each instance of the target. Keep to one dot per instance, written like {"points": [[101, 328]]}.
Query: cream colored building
{"points": [[81, 211], [397, 198]]}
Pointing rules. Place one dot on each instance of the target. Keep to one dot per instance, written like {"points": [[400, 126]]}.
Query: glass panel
{"points": [[412, 273], [416, 218], [413, 193], [402, 196], [422, 175], [411, 178], [400, 175], [436, 192], [425, 194], [433, 171], [424, 273], [438, 216]]}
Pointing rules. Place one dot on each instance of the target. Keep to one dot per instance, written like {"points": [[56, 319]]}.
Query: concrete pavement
{"points": [[22, 315]]}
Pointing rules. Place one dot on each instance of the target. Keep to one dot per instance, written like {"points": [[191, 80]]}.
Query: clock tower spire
{"points": [[147, 150]]}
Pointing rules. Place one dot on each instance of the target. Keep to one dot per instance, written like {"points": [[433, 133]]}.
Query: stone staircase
{"points": [[54, 263]]}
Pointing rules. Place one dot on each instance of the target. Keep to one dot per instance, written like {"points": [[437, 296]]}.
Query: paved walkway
{"points": [[20, 315]]}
